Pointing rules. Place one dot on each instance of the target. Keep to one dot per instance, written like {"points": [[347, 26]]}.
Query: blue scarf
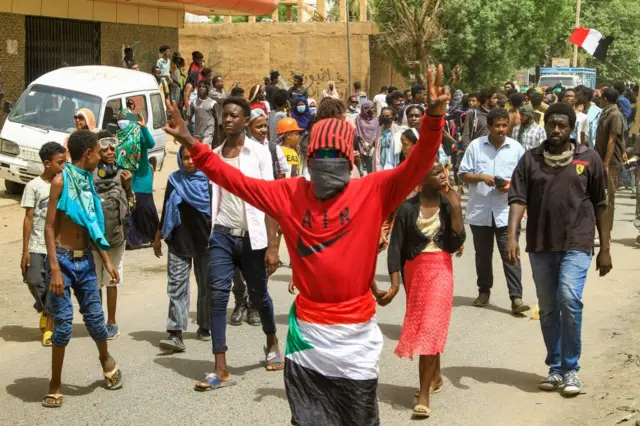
{"points": [[303, 119], [192, 188], [81, 203]]}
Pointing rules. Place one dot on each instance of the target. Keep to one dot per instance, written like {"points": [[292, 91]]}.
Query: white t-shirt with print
{"points": [[36, 197]]}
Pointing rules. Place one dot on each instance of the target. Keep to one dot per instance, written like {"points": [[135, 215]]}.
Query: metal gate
{"points": [[54, 43]]}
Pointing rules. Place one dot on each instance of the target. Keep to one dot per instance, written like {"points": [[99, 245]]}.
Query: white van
{"points": [[45, 111]]}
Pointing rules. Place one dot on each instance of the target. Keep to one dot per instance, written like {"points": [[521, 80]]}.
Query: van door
{"points": [[111, 110], [157, 120]]}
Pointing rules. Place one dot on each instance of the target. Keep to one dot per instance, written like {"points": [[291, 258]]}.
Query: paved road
{"points": [[492, 363]]}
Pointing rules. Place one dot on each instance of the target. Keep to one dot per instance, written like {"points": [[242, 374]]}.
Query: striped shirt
{"points": [[531, 137]]}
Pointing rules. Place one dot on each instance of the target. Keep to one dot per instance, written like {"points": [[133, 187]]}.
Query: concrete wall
{"points": [[132, 12], [383, 73], [144, 40], [12, 39], [247, 52]]}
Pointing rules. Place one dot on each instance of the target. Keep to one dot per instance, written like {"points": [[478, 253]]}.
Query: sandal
{"points": [[43, 322], [114, 379], [274, 360], [421, 411], [52, 400], [46, 338], [214, 383], [433, 391]]}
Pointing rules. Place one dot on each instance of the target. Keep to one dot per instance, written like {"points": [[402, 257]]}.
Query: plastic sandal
{"points": [[274, 360], [421, 411], [46, 338], [52, 400], [214, 383], [109, 378]]}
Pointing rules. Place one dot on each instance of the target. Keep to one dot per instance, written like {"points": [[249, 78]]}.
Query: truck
{"points": [[567, 77]]}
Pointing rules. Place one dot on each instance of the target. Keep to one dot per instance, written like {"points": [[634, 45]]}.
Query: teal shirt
{"points": [[142, 180]]}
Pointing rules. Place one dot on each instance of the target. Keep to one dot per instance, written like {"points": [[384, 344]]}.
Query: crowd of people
{"points": [[269, 163]]}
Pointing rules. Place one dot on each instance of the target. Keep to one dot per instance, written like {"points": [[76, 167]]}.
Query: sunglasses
{"points": [[328, 153], [108, 142]]}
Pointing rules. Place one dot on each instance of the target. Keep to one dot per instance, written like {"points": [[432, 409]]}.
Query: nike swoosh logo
{"points": [[304, 250]]}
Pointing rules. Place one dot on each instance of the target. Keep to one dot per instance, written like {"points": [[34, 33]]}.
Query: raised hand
{"points": [[177, 127], [438, 96]]}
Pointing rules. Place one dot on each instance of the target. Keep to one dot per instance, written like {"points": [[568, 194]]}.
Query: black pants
{"points": [[483, 245]]}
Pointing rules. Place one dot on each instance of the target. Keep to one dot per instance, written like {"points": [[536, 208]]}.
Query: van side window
{"points": [[138, 104], [159, 114], [111, 111]]}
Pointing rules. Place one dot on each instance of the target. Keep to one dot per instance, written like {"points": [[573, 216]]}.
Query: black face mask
{"points": [[385, 121], [329, 176]]}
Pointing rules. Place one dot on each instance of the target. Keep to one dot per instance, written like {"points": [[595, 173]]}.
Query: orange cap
{"points": [[288, 125]]}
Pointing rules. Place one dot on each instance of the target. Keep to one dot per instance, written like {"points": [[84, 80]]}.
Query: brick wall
{"points": [[144, 39], [12, 39]]}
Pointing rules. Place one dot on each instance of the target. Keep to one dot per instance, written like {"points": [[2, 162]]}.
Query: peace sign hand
{"points": [[438, 96]]}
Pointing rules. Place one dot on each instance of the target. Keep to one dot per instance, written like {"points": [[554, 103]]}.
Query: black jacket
{"points": [[407, 241]]}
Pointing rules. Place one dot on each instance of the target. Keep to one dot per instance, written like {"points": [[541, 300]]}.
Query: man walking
{"points": [[243, 237], [475, 123], [297, 90], [610, 146], [528, 133], [560, 234], [487, 167], [205, 111]]}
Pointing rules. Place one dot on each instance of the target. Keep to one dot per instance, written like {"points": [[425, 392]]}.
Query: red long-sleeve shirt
{"points": [[333, 243]]}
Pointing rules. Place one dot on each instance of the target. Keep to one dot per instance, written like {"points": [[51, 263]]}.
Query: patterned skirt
{"points": [[429, 288]]}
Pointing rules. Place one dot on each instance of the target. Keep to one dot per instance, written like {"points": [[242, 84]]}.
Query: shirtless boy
{"points": [[74, 222]]}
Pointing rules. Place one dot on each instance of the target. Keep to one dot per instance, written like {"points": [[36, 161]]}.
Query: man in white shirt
{"points": [[164, 63], [581, 132], [380, 100], [243, 237]]}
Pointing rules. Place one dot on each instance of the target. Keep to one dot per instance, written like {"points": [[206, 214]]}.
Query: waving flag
{"points": [[592, 41]]}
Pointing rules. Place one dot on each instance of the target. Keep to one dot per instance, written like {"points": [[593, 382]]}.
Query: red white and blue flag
{"points": [[592, 41]]}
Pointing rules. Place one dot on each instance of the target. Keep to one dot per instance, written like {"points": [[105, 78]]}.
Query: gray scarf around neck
{"points": [[559, 160], [329, 176]]}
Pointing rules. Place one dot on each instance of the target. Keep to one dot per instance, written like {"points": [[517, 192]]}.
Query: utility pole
{"points": [[575, 47], [346, 5]]}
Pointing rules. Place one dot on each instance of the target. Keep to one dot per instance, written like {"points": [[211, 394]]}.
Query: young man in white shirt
{"points": [[380, 100], [581, 131], [243, 237]]}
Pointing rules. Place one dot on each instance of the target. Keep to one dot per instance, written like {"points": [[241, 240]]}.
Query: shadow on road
{"points": [[263, 392], [391, 331], [154, 337], [21, 334], [33, 389], [463, 301], [628, 242], [195, 369], [526, 382], [400, 397]]}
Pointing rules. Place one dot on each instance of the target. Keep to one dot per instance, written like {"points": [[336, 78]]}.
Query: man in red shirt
{"points": [[334, 343]]}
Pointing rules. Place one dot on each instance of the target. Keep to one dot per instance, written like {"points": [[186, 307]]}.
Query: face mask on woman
{"points": [[123, 124], [302, 109], [313, 110]]}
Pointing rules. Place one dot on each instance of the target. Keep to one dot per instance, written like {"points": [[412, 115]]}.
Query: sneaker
{"points": [[552, 382], [518, 306], [112, 331], [482, 300], [572, 385], [239, 315], [203, 334], [173, 344], [253, 317]]}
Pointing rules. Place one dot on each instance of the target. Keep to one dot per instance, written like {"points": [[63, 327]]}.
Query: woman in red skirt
{"points": [[427, 231]]}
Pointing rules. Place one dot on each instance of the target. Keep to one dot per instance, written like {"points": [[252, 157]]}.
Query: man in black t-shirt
{"points": [[562, 186]]}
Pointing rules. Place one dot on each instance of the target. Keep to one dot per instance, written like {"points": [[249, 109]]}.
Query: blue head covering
{"points": [[192, 188], [303, 119]]}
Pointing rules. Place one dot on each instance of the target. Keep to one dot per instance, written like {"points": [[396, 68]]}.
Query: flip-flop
{"points": [[433, 392], [421, 411], [52, 400], [274, 360], [111, 382], [214, 383], [46, 338]]}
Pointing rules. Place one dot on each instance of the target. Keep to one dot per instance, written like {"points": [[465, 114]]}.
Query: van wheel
{"points": [[13, 188]]}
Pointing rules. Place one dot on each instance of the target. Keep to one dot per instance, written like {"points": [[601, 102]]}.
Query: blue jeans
{"points": [[560, 278], [78, 274], [227, 252]]}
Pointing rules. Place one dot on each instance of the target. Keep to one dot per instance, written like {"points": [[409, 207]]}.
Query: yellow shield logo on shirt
{"points": [[579, 168]]}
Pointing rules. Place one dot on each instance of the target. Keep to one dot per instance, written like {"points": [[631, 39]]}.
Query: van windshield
{"points": [[551, 81], [52, 107]]}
